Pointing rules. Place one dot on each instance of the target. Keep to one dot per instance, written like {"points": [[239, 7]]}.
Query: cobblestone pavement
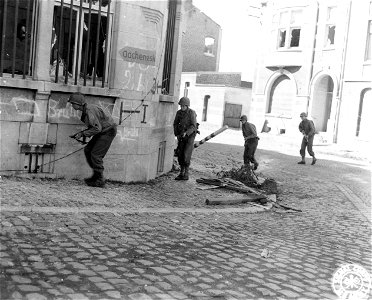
{"points": [[63, 240]]}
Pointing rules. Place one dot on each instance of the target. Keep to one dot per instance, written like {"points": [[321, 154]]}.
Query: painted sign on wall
{"points": [[137, 55]]}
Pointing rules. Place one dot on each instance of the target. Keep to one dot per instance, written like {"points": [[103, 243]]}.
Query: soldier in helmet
{"points": [[307, 128], [251, 142], [185, 128], [102, 129]]}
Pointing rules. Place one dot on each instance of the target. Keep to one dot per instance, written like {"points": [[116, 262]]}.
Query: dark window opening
{"points": [[295, 37], [16, 43], [167, 68], [79, 52], [205, 108], [161, 157], [331, 35], [186, 90]]}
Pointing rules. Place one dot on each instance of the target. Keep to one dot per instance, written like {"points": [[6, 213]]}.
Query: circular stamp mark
{"points": [[351, 281]]}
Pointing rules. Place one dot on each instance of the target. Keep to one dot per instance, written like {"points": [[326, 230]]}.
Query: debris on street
{"points": [[245, 199], [245, 175], [265, 253]]}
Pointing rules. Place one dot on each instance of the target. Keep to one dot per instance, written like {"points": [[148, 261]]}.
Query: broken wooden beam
{"points": [[226, 201]]}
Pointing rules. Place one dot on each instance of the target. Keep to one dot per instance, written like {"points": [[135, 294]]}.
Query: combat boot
{"points": [[302, 162], [92, 178], [314, 160], [181, 175], [186, 174], [98, 182]]}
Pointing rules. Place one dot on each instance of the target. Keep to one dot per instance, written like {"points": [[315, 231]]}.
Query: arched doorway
{"points": [[322, 103], [364, 123], [281, 97]]}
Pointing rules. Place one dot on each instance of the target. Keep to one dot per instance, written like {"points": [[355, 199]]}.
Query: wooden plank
{"points": [[226, 201], [210, 187]]}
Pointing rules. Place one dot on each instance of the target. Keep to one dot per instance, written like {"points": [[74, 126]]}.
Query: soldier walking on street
{"points": [[102, 129], [185, 128], [307, 128], [251, 142]]}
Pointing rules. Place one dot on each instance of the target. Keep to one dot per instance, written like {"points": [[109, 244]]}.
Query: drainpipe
{"points": [[313, 56], [340, 89]]}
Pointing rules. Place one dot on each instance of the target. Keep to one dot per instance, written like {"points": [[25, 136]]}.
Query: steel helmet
{"points": [[184, 101], [303, 114], [243, 117], [77, 98]]}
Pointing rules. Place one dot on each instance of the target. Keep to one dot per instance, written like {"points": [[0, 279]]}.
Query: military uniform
{"points": [[250, 144], [102, 128], [307, 127], [185, 128]]}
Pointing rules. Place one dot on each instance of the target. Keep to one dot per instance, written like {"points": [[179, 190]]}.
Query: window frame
{"points": [[30, 35], [368, 45], [206, 47], [329, 22], [78, 44], [288, 27]]}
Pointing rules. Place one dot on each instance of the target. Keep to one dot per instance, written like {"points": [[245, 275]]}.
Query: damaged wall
{"points": [[36, 118]]}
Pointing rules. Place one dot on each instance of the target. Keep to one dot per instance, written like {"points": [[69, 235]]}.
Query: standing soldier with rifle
{"points": [[185, 128], [102, 129], [307, 128]]}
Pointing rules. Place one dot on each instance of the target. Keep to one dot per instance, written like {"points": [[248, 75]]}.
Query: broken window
{"points": [[79, 42], [330, 27], [282, 34], [209, 45], [295, 37], [289, 21], [17, 28]]}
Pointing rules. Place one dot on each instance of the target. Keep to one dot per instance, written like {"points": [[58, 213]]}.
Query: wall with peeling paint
{"points": [[36, 120]]}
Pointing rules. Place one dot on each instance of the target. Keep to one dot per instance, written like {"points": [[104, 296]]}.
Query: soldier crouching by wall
{"points": [[185, 128], [102, 129]]}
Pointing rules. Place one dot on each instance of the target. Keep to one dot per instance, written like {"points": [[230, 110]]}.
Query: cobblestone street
{"points": [[159, 240]]}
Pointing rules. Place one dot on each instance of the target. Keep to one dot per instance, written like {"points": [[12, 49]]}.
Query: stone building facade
{"points": [[315, 58], [132, 68]]}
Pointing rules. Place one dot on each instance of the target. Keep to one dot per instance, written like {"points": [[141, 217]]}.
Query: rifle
{"points": [[82, 141]]}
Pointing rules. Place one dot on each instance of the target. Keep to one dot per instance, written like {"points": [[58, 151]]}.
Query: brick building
{"points": [[316, 57], [201, 44], [125, 56]]}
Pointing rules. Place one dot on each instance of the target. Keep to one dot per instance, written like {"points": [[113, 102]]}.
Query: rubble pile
{"points": [[245, 175]]}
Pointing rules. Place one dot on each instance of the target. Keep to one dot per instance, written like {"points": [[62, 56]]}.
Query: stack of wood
{"points": [[251, 194]]}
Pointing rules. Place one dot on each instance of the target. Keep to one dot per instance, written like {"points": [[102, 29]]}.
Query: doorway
{"points": [[322, 103], [232, 115]]}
